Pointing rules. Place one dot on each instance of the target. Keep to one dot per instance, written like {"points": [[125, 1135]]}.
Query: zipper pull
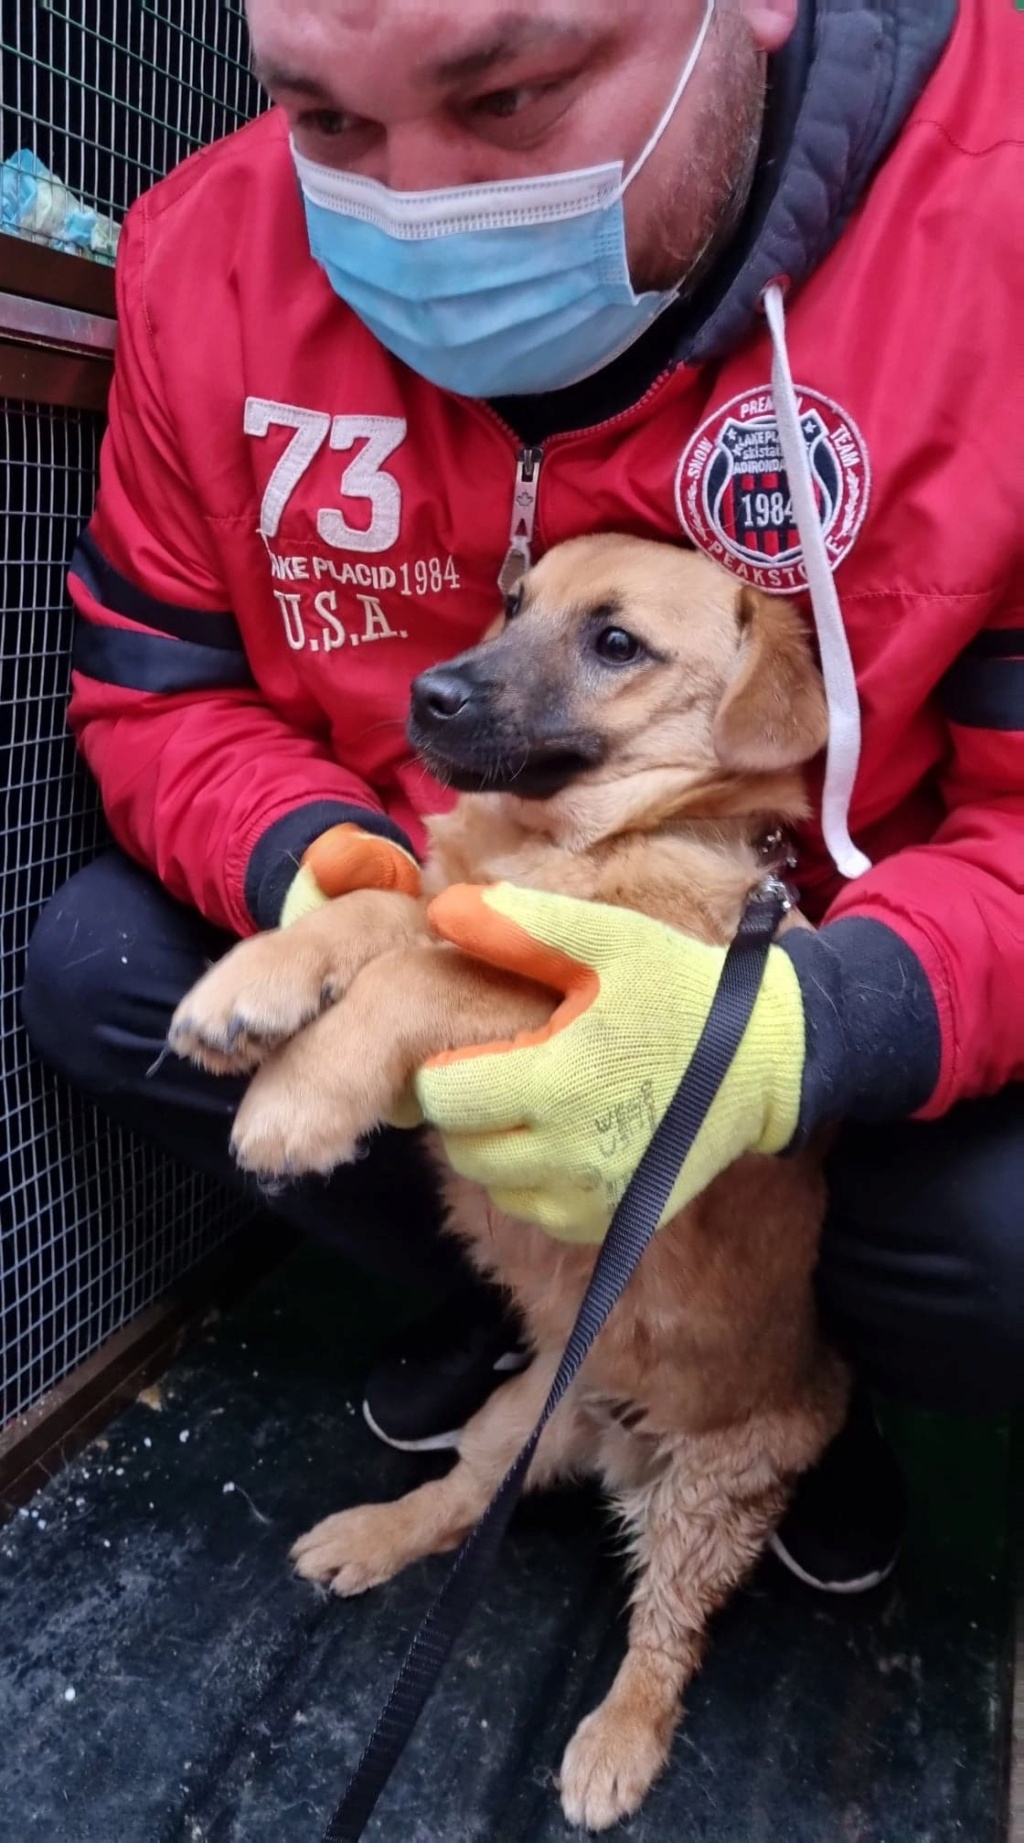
{"points": [[518, 556]]}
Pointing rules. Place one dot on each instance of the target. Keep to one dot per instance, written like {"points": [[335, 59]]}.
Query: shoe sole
{"points": [[863, 1584], [445, 1442], [508, 1365], [436, 1443], [512, 1362]]}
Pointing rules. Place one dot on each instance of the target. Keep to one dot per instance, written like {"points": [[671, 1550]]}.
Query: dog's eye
{"points": [[513, 602], [616, 647]]}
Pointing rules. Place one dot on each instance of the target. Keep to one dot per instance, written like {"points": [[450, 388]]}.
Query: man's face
{"points": [[426, 93]]}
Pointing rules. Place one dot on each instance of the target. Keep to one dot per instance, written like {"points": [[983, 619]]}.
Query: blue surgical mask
{"points": [[490, 290]]}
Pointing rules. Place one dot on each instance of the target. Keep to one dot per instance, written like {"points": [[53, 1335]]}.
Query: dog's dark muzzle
{"points": [[460, 726], [447, 695]]}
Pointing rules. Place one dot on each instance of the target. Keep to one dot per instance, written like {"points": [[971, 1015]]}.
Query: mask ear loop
{"points": [[674, 100]]}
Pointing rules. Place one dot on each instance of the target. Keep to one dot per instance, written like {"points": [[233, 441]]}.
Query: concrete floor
{"points": [[164, 1679]]}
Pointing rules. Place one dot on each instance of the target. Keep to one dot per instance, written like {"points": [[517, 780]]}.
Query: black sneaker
{"points": [[425, 1386], [845, 1526]]}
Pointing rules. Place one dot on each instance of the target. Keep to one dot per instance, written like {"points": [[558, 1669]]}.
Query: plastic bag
{"points": [[35, 203]]}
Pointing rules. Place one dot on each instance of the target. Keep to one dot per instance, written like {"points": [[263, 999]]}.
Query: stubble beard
{"points": [[699, 206]]}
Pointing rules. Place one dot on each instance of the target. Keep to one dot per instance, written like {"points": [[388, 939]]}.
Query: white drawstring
{"points": [[843, 750]]}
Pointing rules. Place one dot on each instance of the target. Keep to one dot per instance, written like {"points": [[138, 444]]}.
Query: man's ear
{"points": [[773, 714], [770, 21]]}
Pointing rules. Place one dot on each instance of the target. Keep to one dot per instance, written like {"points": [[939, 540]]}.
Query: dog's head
{"points": [[628, 680]]}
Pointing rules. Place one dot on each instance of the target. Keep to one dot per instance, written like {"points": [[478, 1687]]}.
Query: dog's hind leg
{"points": [[694, 1533], [358, 1549]]}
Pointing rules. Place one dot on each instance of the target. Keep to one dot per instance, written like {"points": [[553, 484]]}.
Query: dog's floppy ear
{"points": [[773, 714]]}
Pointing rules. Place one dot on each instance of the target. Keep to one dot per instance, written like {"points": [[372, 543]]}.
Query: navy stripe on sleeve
{"points": [[205, 626], [984, 692], [996, 643], [151, 662]]}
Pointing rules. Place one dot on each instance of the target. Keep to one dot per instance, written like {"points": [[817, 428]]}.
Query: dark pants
{"points": [[921, 1275]]}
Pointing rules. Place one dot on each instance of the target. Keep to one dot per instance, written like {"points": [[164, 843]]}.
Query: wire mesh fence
{"points": [[108, 95], [95, 1226]]}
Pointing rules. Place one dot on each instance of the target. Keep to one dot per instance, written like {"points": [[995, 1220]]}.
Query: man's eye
{"points": [[328, 122], [503, 103]]}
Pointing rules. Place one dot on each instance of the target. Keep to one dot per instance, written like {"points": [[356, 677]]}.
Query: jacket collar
{"points": [[839, 93], [842, 90]]}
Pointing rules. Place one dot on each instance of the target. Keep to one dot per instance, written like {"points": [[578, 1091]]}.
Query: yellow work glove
{"points": [[342, 859], [554, 1124]]}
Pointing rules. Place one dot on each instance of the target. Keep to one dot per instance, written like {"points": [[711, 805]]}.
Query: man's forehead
{"points": [[506, 36], [450, 41]]}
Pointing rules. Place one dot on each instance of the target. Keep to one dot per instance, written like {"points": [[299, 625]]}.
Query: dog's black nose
{"points": [[440, 694]]}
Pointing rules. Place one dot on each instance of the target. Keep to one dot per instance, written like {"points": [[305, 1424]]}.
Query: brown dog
{"points": [[629, 734]]}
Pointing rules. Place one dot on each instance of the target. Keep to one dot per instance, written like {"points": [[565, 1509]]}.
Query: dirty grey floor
{"points": [[164, 1679]]}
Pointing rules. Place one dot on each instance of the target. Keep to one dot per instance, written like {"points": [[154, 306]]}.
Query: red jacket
{"points": [[291, 525]]}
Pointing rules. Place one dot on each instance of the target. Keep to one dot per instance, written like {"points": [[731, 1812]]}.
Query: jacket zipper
{"points": [[519, 554]]}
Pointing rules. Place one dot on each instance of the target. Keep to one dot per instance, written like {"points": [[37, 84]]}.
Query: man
{"points": [[736, 275]]}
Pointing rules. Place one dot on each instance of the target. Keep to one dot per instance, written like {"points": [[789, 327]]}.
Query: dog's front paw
{"points": [[258, 996], [288, 1125], [610, 1764], [352, 1551]]}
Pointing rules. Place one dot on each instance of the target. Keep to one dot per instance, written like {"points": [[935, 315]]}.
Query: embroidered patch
{"points": [[732, 492]]}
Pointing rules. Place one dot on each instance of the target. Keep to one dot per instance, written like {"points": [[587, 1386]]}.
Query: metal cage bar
{"points": [[94, 1226], [110, 94]]}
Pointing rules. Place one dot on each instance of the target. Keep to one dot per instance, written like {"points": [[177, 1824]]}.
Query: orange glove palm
{"points": [[346, 858]]}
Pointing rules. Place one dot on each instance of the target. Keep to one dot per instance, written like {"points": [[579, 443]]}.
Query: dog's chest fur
{"points": [[694, 876], [718, 1319]]}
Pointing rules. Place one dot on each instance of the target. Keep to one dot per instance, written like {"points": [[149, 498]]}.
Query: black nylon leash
{"points": [[632, 1226]]}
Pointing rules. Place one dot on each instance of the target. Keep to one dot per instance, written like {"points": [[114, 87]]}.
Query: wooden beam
{"points": [[38, 374], [52, 275], [57, 326]]}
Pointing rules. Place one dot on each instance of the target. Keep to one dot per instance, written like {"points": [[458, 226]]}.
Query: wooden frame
{"points": [[62, 354]]}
